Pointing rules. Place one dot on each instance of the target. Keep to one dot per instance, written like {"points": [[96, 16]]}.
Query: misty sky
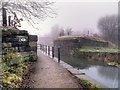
{"points": [[80, 16]]}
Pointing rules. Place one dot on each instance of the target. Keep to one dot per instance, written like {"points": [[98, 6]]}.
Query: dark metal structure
{"points": [[4, 17]]}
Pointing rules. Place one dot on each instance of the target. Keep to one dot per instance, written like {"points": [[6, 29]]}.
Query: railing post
{"points": [[43, 48], [40, 47], [58, 55], [52, 52], [48, 50], [9, 20]]}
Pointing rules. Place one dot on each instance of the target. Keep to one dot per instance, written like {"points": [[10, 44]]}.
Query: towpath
{"points": [[50, 74]]}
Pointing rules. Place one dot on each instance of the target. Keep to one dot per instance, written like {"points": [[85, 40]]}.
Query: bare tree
{"points": [[62, 33], [109, 28], [31, 10], [55, 31], [68, 31]]}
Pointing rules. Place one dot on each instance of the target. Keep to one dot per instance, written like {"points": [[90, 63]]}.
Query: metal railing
{"points": [[50, 51]]}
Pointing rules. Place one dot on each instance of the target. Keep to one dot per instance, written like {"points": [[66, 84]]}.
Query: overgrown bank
{"points": [[19, 51], [106, 55], [14, 67]]}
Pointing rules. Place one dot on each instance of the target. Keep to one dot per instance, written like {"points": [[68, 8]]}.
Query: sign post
{"points": [[4, 17]]}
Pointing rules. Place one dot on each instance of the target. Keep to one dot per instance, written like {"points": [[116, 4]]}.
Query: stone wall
{"points": [[98, 56], [93, 43], [79, 42], [33, 42], [17, 41], [66, 43]]}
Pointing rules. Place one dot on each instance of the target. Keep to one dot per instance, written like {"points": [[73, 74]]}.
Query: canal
{"points": [[99, 71]]}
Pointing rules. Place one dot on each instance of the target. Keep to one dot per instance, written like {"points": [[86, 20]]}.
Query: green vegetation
{"points": [[14, 66], [114, 64], [8, 32], [89, 85], [103, 54], [99, 49]]}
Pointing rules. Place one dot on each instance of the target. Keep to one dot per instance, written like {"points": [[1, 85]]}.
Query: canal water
{"points": [[101, 72]]}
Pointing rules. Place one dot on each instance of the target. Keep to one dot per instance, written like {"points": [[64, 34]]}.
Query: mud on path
{"points": [[46, 73]]}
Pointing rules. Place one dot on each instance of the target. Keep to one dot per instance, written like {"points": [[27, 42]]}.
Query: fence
{"points": [[50, 51]]}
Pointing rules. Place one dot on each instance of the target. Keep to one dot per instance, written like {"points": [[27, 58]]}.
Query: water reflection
{"points": [[101, 72], [108, 72]]}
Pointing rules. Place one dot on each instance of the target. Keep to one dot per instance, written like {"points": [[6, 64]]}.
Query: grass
{"points": [[99, 49], [114, 64], [89, 85]]}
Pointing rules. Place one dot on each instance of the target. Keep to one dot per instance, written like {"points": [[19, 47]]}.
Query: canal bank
{"points": [[80, 75], [47, 73], [77, 73], [105, 55], [97, 71]]}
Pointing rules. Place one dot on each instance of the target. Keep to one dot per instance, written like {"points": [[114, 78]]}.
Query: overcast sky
{"points": [[80, 16]]}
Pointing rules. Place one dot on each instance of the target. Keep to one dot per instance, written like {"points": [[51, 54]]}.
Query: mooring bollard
{"points": [[58, 55], [52, 52]]}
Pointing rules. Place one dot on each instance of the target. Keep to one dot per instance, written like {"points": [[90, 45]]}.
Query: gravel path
{"points": [[50, 74]]}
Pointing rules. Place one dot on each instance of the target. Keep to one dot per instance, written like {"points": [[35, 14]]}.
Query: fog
{"points": [[80, 16]]}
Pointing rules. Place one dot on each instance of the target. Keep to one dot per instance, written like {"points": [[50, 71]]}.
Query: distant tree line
{"points": [[65, 32], [108, 26], [58, 31]]}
